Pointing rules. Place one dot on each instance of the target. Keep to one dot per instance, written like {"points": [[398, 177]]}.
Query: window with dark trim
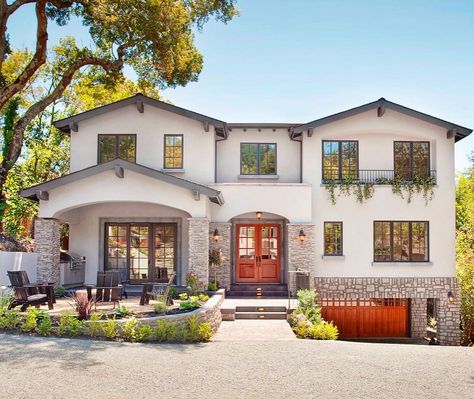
{"points": [[411, 159], [258, 158], [340, 160], [332, 238], [173, 151], [112, 146], [401, 241]]}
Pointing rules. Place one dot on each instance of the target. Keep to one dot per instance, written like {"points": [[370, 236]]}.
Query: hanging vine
{"points": [[406, 188], [347, 187]]}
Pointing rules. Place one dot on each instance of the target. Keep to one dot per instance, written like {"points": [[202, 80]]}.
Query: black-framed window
{"points": [[173, 151], [411, 159], [258, 158], [332, 238], [401, 241], [340, 160], [111, 146]]}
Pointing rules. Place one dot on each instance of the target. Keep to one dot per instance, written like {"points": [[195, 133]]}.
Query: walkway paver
{"points": [[255, 330]]}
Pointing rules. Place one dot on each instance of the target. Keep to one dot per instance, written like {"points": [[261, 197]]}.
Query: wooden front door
{"points": [[368, 318], [258, 253]]}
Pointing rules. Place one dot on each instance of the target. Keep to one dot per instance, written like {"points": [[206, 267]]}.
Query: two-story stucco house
{"points": [[153, 187]]}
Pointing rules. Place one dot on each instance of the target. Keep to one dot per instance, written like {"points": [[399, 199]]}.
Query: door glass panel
{"points": [[246, 242], [139, 252], [164, 239]]}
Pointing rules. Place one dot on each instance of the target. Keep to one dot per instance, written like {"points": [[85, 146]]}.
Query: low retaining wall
{"points": [[17, 261], [210, 313]]}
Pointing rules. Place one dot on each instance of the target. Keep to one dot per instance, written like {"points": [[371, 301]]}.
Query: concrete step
{"points": [[263, 287], [260, 309], [260, 315], [253, 294]]}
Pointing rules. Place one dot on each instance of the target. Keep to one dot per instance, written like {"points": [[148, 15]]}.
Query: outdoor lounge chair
{"points": [[107, 290], [157, 290], [27, 294]]}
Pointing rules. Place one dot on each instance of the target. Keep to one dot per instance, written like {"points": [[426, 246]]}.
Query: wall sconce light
{"points": [[215, 235], [259, 214], [302, 235], [450, 296]]}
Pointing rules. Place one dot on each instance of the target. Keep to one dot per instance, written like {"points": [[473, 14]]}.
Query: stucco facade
{"points": [[210, 192]]}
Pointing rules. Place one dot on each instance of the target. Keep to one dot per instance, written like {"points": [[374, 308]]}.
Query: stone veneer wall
{"points": [[300, 254], [198, 253], [416, 289], [47, 246], [223, 271]]}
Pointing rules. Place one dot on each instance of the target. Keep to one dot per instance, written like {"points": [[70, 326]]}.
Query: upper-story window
{"points": [[411, 159], [340, 160], [258, 158], [113, 146], [332, 238], [173, 151], [400, 241]]}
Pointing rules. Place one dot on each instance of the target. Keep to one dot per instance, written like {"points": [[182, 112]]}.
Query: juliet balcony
{"points": [[382, 177]]}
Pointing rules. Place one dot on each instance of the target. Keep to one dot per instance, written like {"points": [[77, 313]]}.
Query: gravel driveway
{"points": [[66, 368]]}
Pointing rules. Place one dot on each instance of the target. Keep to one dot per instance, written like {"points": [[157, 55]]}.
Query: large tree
{"points": [[465, 249], [154, 37]]}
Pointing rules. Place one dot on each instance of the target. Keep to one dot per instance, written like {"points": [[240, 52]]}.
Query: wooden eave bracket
{"points": [[119, 172], [380, 110], [73, 126], [42, 195], [451, 133], [197, 195], [310, 132], [140, 106], [206, 126]]}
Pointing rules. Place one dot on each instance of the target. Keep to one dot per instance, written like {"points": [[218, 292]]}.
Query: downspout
{"points": [[292, 138], [215, 152]]}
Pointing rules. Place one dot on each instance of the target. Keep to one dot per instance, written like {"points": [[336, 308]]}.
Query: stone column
{"points": [[418, 317], [223, 245], [301, 255], [47, 246], [448, 319], [198, 244]]}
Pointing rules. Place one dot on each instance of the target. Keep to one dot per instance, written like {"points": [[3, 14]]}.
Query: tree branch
{"points": [[18, 133], [39, 58]]}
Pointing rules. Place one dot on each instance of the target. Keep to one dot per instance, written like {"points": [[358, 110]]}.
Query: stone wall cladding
{"points": [[416, 289], [223, 271], [199, 248], [47, 246], [300, 254]]}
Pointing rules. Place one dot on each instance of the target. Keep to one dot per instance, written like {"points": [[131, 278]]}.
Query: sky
{"points": [[299, 60]]}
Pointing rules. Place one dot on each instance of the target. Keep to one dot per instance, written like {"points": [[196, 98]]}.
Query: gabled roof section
{"points": [[40, 191], [459, 132], [71, 123]]}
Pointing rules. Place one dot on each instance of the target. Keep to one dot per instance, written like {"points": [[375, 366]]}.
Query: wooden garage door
{"points": [[372, 318]]}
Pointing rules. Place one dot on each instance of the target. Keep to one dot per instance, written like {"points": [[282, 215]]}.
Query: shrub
{"points": [[59, 291], [203, 297], [69, 325], [109, 327], [94, 326], [160, 307], [205, 332], [213, 286], [165, 331], [307, 305], [130, 330], [326, 331], [144, 332], [45, 325], [81, 305], [181, 333], [29, 322], [190, 304], [192, 282], [302, 329], [9, 319], [173, 293], [183, 296], [193, 329], [6, 298], [432, 322], [123, 311]]}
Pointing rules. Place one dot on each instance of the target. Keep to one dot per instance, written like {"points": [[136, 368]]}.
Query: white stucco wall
{"points": [[17, 261], [228, 155], [376, 137], [86, 230], [150, 128]]}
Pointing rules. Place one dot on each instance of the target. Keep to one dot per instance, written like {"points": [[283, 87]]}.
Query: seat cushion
{"points": [[36, 297]]}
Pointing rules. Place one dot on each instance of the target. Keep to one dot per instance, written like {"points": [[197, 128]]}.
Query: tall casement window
{"points": [[340, 160], [411, 159], [173, 154], [332, 238], [401, 241], [258, 158], [113, 146]]}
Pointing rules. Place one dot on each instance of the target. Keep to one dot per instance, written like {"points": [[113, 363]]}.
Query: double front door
{"points": [[141, 251], [258, 253]]}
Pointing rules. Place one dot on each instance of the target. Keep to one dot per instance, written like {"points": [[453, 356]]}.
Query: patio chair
{"points": [[27, 294], [107, 289], [157, 290]]}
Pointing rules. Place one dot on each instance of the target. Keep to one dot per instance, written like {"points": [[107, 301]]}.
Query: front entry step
{"points": [[260, 316], [258, 290], [255, 313]]}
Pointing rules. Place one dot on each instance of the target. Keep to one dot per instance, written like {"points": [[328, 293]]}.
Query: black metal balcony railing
{"points": [[381, 176]]}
